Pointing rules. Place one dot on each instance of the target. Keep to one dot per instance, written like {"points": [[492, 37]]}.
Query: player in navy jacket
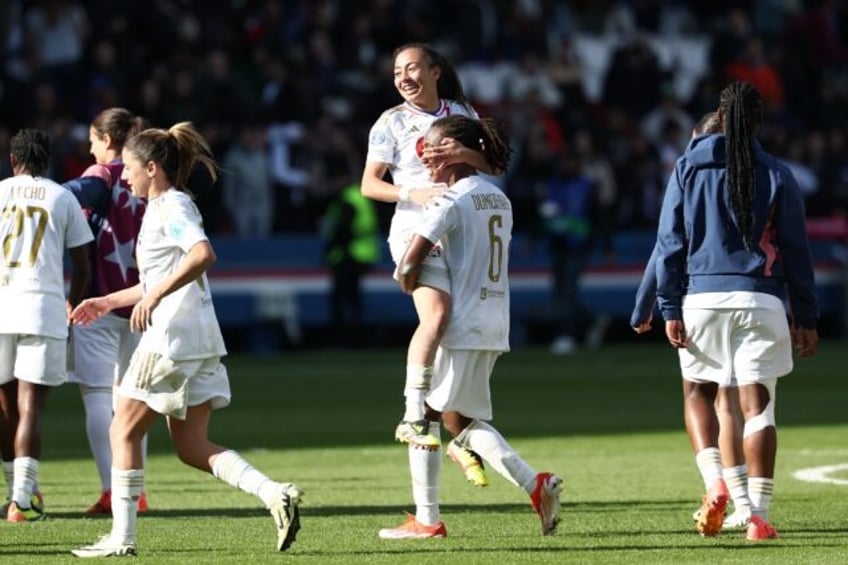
{"points": [[731, 239]]}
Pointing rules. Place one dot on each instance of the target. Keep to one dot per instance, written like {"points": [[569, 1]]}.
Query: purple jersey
{"points": [[114, 216]]}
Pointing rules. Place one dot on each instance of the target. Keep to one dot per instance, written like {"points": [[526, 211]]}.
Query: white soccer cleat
{"points": [[545, 500], [286, 514], [105, 547]]}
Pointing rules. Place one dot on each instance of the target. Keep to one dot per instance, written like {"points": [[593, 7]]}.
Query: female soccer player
{"points": [[729, 440], [101, 352], [473, 220], [430, 89], [39, 221], [176, 369], [731, 238]]}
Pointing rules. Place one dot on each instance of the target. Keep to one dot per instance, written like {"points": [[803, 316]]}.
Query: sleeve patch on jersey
{"points": [[176, 229], [377, 138]]}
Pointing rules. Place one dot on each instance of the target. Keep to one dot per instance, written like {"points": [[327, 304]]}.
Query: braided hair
{"points": [[742, 109], [31, 150], [487, 136], [448, 85]]}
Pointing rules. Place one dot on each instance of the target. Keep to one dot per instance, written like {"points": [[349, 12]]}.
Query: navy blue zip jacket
{"points": [[700, 249]]}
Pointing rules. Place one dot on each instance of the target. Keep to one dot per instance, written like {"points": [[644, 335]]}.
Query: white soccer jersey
{"points": [[473, 221], [393, 140], [183, 326], [38, 220]]}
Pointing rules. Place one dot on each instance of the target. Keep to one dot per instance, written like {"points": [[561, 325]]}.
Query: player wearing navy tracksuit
{"points": [[731, 241], [716, 259]]}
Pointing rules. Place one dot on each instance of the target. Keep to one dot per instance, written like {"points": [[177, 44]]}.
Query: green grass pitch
{"points": [[609, 421]]}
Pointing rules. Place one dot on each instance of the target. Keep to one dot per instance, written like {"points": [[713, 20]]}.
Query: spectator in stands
{"points": [[352, 246], [570, 213], [246, 183]]}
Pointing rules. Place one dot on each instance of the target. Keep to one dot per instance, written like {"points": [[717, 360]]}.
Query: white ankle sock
{"points": [[127, 485], [26, 477], [424, 468], [709, 464], [98, 416], [489, 444], [737, 483], [231, 468], [760, 490], [415, 389]]}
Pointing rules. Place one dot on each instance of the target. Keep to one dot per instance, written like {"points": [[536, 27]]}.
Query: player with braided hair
{"points": [[38, 221], [473, 222], [731, 244], [430, 89]]}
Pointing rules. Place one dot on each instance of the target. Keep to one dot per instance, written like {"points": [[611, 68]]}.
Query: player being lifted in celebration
{"points": [[473, 222], [39, 220], [176, 370], [430, 89]]}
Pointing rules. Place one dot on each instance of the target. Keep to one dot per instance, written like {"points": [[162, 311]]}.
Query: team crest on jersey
{"points": [[377, 138]]}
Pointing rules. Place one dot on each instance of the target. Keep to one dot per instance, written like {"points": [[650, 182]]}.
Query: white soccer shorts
{"points": [[101, 351], [434, 271], [170, 387], [461, 382], [735, 346], [33, 358]]}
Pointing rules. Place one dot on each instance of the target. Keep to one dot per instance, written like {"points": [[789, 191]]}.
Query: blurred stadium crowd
{"points": [[286, 90]]}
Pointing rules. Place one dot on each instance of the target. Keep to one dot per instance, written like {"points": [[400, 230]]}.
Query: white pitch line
{"points": [[820, 474]]}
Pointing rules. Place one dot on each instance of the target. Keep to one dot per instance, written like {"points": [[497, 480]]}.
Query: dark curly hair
{"points": [[31, 150]]}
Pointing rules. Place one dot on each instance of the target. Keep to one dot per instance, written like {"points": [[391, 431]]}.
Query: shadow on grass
{"points": [[389, 509]]}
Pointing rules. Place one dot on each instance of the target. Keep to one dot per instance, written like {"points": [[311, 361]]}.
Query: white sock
{"points": [[9, 475], [26, 477], [126, 487], [737, 483], [709, 464], [231, 468], [98, 416], [489, 444], [416, 388], [424, 468], [760, 490]]}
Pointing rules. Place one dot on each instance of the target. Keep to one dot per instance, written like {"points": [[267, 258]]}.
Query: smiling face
{"points": [[416, 78], [136, 174]]}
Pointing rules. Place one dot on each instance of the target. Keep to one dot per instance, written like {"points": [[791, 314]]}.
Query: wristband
{"points": [[403, 193]]}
